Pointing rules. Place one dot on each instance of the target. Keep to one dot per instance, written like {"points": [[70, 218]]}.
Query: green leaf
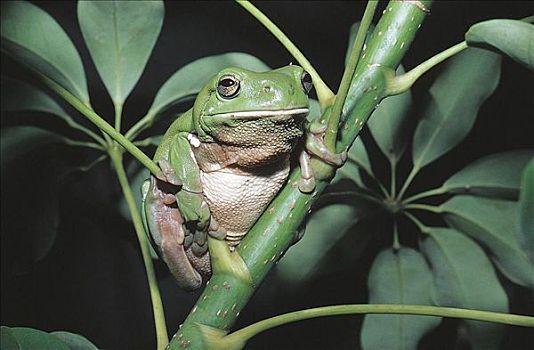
{"points": [[401, 277], [188, 80], [21, 96], [457, 94], [464, 277], [512, 37], [120, 36], [325, 227], [34, 339], [526, 210], [388, 124], [18, 141], [74, 341], [32, 37], [496, 175], [493, 223], [7, 339]]}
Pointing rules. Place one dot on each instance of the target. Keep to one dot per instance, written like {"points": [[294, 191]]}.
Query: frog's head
{"points": [[248, 109]]}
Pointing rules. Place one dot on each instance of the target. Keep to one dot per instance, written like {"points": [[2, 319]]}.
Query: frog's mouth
{"points": [[274, 115]]}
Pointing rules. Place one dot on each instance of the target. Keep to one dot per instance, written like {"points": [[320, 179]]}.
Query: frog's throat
{"points": [[279, 114]]}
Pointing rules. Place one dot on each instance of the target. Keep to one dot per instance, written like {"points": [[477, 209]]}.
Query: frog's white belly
{"points": [[236, 198]]}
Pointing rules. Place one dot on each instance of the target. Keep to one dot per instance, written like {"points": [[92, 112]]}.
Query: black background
{"points": [[93, 281]]}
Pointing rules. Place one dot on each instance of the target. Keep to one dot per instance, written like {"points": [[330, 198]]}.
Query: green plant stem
{"points": [[396, 241], [423, 228], [393, 180], [324, 94], [157, 306], [409, 180], [330, 137], [86, 131], [478, 315], [141, 125], [102, 125], [92, 145], [118, 116], [398, 85], [355, 160], [351, 194], [429, 193], [430, 208]]}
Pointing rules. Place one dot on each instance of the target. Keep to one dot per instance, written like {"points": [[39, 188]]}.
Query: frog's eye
{"points": [[228, 86], [307, 82]]}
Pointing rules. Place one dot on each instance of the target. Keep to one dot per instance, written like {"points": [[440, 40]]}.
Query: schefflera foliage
{"points": [[33, 38], [486, 208]]}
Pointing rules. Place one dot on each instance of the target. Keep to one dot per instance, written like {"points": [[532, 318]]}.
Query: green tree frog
{"points": [[223, 161]]}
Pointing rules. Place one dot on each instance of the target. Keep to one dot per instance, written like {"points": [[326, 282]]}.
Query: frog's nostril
{"points": [[267, 88]]}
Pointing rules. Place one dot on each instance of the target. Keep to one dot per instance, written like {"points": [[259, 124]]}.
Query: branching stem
{"points": [[398, 85], [324, 94], [102, 125], [330, 137]]}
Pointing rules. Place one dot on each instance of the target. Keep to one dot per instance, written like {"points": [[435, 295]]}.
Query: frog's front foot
{"points": [[315, 146]]}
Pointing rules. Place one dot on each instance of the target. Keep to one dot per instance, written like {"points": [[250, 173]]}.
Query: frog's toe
{"points": [[215, 230], [316, 146], [306, 185], [199, 249]]}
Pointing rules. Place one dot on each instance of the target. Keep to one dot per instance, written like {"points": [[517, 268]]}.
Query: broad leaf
{"points": [[120, 36], [7, 339], [325, 227], [18, 141], [33, 339], [512, 37], [401, 277], [496, 175], [21, 96], [493, 223], [188, 80], [74, 341], [457, 94], [526, 211], [388, 124], [32, 37], [464, 277]]}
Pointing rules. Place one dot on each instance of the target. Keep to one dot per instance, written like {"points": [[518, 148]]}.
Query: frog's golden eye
{"points": [[306, 82], [228, 86]]}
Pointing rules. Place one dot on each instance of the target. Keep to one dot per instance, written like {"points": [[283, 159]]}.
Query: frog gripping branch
{"points": [[222, 163]]}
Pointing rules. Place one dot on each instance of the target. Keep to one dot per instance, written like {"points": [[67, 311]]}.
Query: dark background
{"points": [[93, 280]]}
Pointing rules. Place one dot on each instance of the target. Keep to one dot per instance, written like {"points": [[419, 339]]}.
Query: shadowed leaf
{"points": [[457, 94], [35, 39], [398, 277], [496, 175], [120, 36], [526, 211], [493, 223], [464, 277], [512, 37]]}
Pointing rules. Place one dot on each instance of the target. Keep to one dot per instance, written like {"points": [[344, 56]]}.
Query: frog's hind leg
{"points": [[165, 224]]}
